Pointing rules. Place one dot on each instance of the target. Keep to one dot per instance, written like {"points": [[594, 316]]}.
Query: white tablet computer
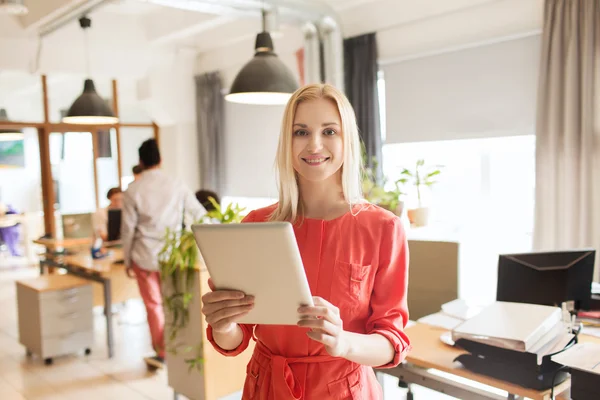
{"points": [[259, 259]]}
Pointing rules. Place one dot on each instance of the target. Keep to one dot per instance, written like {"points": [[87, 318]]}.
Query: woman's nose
{"points": [[315, 144]]}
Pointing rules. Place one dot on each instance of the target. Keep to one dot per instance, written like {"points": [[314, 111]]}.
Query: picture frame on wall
{"points": [[12, 153]]}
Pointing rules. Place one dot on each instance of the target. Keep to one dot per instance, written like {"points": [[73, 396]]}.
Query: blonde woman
{"points": [[356, 260]]}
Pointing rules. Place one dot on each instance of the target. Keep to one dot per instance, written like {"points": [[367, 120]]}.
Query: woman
{"points": [[355, 256]]}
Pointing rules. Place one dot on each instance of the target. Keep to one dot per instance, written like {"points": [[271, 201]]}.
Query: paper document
{"points": [[591, 330], [461, 309], [441, 320], [555, 345], [595, 288], [582, 356]]}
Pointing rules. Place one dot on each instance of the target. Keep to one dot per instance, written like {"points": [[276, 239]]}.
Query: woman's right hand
{"points": [[222, 308]]}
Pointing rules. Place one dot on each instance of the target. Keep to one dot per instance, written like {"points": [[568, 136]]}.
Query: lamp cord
{"points": [[87, 52]]}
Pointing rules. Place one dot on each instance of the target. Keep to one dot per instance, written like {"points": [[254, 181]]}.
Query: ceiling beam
{"points": [[46, 11], [171, 25]]}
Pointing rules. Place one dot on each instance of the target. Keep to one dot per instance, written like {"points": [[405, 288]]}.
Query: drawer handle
{"points": [[72, 315], [70, 291], [70, 299]]}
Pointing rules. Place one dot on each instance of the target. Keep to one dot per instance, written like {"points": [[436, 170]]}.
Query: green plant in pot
{"points": [[421, 177], [391, 200], [178, 261]]}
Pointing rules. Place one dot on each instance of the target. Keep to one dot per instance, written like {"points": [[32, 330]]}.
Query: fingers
{"points": [[211, 285], [319, 301], [222, 295], [321, 337], [227, 315], [130, 272], [329, 313], [320, 325], [211, 308]]}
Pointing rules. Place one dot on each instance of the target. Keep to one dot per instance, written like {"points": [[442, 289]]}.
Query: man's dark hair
{"points": [[203, 195], [137, 169], [112, 192], [149, 153]]}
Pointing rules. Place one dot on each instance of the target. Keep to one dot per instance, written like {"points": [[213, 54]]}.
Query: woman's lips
{"points": [[314, 161]]}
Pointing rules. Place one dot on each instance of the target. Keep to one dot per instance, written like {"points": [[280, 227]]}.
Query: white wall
{"points": [[21, 187], [171, 102], [251, 135]]}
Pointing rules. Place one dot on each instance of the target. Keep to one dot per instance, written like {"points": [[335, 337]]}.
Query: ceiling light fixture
{"points": [[89, 107], [13, 7], [9, 134], [265, 79]]}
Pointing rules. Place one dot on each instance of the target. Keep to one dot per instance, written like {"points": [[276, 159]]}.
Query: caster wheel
{"points": [[28, 353], [88, 352], [48, 361]]}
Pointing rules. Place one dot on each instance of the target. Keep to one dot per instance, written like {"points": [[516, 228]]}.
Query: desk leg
{"points": [[108, 314]]}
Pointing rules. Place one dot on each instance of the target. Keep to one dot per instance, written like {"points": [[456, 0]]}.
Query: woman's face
{"points": [[317, 142]]}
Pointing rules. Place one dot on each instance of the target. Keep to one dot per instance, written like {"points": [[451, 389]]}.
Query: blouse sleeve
{"points": [[389, 309], [247, 329]]}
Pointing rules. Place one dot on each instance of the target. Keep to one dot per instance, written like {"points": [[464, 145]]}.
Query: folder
{"points": [[513, 326]]}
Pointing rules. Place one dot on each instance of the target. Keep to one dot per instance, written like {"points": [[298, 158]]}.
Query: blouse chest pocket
{"points": [[351, 287]]}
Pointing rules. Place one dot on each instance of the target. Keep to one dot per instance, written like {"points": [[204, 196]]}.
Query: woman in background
{"points": [[356, 260]]}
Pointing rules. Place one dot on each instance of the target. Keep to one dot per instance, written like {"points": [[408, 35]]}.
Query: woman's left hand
{"points": [[325, 326]]}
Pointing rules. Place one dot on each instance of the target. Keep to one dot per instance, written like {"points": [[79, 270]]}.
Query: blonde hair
{"points": [[289, 194]]}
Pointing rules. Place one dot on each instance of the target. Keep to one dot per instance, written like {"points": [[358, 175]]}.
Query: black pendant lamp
{"points": [[9, 134], [265, 79], [89, 107]]}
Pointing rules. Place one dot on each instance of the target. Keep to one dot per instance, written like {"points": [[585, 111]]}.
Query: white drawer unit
{"points": [[55, 315]]}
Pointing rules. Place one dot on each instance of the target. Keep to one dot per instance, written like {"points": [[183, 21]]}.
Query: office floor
{"points": [[95, 376], [76, 377]]}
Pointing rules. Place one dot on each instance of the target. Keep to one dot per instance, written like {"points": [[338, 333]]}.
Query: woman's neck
{"points": [[322, 200]]}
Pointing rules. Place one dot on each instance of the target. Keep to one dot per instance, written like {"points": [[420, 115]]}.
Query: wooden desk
{"points": [[123, 288], [115, 285], [53, 244], [428, 351]]}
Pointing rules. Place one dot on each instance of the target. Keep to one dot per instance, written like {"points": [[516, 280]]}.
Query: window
{"points": [[484, 198]]}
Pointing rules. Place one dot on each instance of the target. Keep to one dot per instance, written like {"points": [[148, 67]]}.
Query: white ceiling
{"points": [[216, 27], [128, 36]]}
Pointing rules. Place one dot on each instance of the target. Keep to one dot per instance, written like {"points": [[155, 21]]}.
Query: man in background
{"points": [[203, 196], [100, 217], [151, 204], [137, 172]]}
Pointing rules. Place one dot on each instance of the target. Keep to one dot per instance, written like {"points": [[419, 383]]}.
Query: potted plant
{"points": [[391, 200], [421, 177], [178, 261]]}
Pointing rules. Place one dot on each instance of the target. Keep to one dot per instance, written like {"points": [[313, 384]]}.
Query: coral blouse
{"points": [[359, 263]]}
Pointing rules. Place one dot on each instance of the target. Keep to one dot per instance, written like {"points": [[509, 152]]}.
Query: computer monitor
{"points": [[547, 278], [114, 225], [76, 226]]}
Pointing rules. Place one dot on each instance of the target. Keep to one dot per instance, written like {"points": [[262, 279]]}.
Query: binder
{"points": [[514, 326]]}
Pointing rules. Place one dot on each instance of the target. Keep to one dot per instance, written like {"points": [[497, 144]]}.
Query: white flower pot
{"points": [[419, 216]]}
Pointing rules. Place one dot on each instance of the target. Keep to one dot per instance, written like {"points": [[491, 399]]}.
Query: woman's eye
{"points": [[300, 132], [329, 132]]}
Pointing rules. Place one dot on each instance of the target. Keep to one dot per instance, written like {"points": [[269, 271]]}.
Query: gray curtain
{"points": [[360, 72], [209, 112], [103, 143], [567, 198]]}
